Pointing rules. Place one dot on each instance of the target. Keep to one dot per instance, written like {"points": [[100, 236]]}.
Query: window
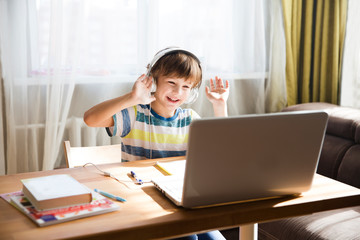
{"points": [[117, 38]]}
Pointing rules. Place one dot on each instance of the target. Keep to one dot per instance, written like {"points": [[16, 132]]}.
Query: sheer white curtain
{"points": [[37, 105], [60, 57], [350, 79], [242, 41]]}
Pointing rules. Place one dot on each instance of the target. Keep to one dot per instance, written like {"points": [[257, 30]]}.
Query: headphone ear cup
{"points": [[193, 96], [153, 86]]}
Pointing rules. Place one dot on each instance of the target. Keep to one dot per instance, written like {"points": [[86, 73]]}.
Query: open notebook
{"points": [[246, 158]]}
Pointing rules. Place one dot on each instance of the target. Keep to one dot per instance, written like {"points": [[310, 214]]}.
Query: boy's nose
{"points": [[177, 90]]}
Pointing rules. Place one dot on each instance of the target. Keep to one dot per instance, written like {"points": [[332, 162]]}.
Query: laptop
{"points": [[247, 158]]}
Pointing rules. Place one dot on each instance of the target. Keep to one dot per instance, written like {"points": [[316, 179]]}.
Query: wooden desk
{"points": [[147, 214]]}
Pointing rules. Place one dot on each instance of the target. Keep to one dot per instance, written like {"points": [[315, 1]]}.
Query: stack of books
{"points": [[57, 198]]}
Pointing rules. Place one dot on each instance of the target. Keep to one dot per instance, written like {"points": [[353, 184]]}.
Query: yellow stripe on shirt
{"points": [[157, 137]]}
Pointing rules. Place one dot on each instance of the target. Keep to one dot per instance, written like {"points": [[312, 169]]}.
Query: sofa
{"points": [[339, 160]]}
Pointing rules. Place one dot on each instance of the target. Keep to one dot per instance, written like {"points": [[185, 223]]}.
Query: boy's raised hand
{"points": [[217, 93], [141, 90]]}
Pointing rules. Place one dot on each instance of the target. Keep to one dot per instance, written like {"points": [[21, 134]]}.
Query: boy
{"points": [[154, 125]]}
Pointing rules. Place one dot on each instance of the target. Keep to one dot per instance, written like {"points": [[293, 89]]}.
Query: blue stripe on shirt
{"points": [[113, 133], [141, 117], [126, 123], [115, 125], [109, 132], [166, 119], [144, 152]]}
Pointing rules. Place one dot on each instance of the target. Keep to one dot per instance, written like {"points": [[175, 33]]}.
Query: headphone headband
{"points": [[166, 51]]}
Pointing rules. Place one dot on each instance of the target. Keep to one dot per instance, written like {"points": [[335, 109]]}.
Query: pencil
{"points": [[161, 168]]}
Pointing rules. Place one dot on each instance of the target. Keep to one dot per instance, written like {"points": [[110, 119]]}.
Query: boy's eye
{"points": [[186, 86], [172, 83]]}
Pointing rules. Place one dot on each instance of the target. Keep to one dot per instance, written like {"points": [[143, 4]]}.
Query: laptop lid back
{"points": [[252, 156]]}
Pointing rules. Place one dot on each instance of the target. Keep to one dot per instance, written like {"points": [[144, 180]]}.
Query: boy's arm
{"points": [[101, 114], [218, 95]]}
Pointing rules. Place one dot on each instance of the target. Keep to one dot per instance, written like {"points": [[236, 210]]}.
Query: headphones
{"points": [[194, 93]]}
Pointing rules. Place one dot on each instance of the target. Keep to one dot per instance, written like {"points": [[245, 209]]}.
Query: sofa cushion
{"points": [[330, 225], [330, 159], [349, 170], [343, 122]]}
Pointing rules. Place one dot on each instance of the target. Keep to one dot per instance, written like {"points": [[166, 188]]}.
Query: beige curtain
{"points": [[2, 125], [315, 32]]}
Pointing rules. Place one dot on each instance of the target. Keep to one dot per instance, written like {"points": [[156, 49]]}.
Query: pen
{"points": [[110, 195], [138, 180]]}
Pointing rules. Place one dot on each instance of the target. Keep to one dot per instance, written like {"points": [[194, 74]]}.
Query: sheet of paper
{"points": [[172, 168]]}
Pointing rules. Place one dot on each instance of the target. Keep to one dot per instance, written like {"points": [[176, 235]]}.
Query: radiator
{"points": [[80, 135]]}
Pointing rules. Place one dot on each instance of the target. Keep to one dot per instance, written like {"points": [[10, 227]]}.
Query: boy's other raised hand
{"points": [[141, 90], [217, 92]]}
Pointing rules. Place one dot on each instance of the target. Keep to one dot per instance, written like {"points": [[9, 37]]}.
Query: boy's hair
{"points": [[178, 65]]}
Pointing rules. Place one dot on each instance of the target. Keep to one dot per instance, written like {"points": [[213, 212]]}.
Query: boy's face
{"points": [[170, 93]]}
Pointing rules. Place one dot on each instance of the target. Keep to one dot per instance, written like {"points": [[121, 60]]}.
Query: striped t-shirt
{"points": [[145, 134]]}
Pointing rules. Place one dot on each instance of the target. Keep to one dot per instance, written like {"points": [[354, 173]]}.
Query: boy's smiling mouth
{"points": [[172, 99]]}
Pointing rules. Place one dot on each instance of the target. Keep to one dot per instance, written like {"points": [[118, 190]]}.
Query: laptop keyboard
{"points": [[173, 186]]}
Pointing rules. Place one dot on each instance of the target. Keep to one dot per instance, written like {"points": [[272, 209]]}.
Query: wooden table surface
{"points": [[147, 214]]}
